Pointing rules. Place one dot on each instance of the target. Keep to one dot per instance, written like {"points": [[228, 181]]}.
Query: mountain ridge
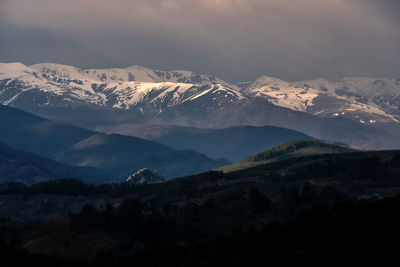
{"points": [[28, 168], [363, 110], [114, 154], [288, 150], [232, 143]]}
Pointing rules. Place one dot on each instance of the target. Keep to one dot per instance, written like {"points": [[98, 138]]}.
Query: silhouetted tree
{"points": [[293, 193], [258, 202], [309, 192], [331, 192], [128, 215]]}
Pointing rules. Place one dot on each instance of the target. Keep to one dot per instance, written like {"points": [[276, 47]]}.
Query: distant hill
{"points": [[28, 168], [118, 155], [233, 144], [288, 150]]}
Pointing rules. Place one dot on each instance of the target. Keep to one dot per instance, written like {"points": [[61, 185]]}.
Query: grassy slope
{"points": [[286, 151]]}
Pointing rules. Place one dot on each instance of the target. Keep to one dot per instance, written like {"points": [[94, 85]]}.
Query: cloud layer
{"points": [[235, 39]]}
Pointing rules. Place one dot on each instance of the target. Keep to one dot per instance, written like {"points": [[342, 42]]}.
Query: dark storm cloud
{"points": [[235, 39], [390, 8]]}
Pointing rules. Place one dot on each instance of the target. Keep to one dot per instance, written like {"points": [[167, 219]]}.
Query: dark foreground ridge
{"points": [[325, 209], [345, 234]]}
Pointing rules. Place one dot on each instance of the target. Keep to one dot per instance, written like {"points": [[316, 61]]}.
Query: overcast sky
{"points": [[237, 40]]}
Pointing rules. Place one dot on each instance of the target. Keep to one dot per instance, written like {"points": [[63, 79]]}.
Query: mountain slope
{"points": [[233, 144], [116, 154], [257, 112], [28, 168], [288, 150]]}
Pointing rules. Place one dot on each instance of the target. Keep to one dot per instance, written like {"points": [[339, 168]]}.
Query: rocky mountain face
{"points": [[145, 176], [357, 111]]}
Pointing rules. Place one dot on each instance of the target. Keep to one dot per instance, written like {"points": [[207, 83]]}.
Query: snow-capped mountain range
{"points": [[131, 88], [365, 100]]}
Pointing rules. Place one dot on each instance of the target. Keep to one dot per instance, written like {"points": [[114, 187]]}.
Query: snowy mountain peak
{"points": [[54, 67], [282, 93], [267, 80], [14, 66], [367, 100], [60, 70], [13, 70]]}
